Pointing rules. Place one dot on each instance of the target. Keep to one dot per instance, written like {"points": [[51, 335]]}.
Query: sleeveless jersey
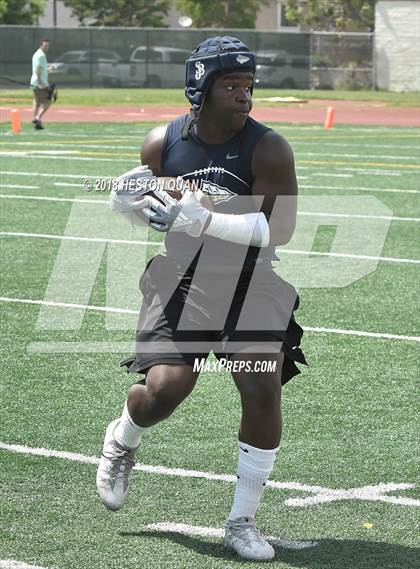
{"points": [[222, 172]]}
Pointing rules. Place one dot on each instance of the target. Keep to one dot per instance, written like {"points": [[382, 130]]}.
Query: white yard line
{"points": [[203, 531], [74, 238], [373, 172], [79, 145], [359, 333], [50, 199], [48, 175], [27, 156], [13, 564], [69, 305], [19, 187], [341, 189], [347, 144], [280, 251], [318, 494], [348, 256], [307, 213], [329, 175], [364, 156], [356, 215]]}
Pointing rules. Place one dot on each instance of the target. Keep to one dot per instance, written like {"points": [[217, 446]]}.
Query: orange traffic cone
{"points": [[16, 126], [329, 118]]}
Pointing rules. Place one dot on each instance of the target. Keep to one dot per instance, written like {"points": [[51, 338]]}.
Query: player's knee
{"points": [[163, 399], [261, 391]]}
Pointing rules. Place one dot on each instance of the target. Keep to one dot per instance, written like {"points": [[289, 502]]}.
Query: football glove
{"points": [[187, 215]]}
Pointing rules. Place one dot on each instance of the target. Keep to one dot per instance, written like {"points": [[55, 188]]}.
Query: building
{"points": [[397, 45]]}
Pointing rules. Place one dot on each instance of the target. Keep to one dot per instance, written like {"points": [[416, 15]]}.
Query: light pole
{"points": [[55, 13]]}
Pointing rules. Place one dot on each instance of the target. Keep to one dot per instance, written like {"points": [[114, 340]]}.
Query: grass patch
{"points": [[134, 97]]}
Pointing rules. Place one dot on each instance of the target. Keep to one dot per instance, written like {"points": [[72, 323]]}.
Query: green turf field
{"points": [[349, 419], [101, 97]]}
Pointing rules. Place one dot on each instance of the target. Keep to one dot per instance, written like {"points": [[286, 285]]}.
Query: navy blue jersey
{"points": [[223, 172]]}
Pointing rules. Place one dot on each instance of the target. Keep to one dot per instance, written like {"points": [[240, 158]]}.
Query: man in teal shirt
{"points": [[39, 83]]}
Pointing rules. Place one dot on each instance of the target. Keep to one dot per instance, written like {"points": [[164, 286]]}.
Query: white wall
{"points": [[397, 45]]}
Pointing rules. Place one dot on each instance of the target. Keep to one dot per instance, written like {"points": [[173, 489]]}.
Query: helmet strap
{"points": [[191, 121]]}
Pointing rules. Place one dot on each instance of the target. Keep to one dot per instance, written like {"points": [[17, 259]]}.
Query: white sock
{"points": [[254, 468], [127, 433]]}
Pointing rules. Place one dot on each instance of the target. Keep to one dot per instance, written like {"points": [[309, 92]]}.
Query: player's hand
{"points": [[128, 190], [187, 215]]}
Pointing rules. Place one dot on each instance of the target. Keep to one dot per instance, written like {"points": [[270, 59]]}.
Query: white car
{"points": [[147, 67], [77, 65]]}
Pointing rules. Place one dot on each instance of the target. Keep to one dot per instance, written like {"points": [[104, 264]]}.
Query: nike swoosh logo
{"points": [[231, 156]]}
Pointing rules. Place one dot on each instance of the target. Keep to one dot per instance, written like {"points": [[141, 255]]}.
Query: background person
{"points": [[39, 83]]}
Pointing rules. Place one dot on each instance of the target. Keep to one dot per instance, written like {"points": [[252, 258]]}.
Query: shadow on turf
{"points": [[329, 554]]}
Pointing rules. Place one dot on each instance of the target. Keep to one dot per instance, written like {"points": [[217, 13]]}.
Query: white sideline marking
{"points": [[358, 189], [186, 529], [320, 494], [105, 202], [360, 333], [12, 564], [20, 187], [280, 251]]}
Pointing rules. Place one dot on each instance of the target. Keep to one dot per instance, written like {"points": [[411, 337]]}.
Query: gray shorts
{"points": [[183, 317]]}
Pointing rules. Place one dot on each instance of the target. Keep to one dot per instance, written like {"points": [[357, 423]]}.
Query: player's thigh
{"points": [[258, 379], [170, 383]]}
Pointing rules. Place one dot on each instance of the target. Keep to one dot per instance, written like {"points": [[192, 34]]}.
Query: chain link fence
{"points": [[151, 57]]}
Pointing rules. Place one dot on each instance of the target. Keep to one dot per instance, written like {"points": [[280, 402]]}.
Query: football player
{"points": [[215, 289]]}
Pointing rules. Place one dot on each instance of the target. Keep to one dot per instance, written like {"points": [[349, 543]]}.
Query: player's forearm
{"points": [[245, 229]]}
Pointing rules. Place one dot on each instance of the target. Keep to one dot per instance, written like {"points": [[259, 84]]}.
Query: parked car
{"points": [[80, 64], [156, 66], [282, 70]]}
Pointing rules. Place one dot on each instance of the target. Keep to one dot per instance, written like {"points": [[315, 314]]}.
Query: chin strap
{"points": [[191, 121]]}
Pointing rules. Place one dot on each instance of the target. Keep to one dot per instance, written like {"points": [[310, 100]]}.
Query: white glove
{"points": [[129, 189], [187, 215]]}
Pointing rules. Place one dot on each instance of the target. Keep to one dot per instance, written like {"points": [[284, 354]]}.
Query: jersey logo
{"points": [[230, 156], [217, 193], [199, 70], [242, 59]]}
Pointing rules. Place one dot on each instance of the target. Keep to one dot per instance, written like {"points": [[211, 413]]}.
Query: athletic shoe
{"points": [[38, 125], [244, 538], [114, 469]]}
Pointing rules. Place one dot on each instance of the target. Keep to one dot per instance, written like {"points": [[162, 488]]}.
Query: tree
{"points": [[326, 15], [222, 13], [127, 13], [21, 12]]}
